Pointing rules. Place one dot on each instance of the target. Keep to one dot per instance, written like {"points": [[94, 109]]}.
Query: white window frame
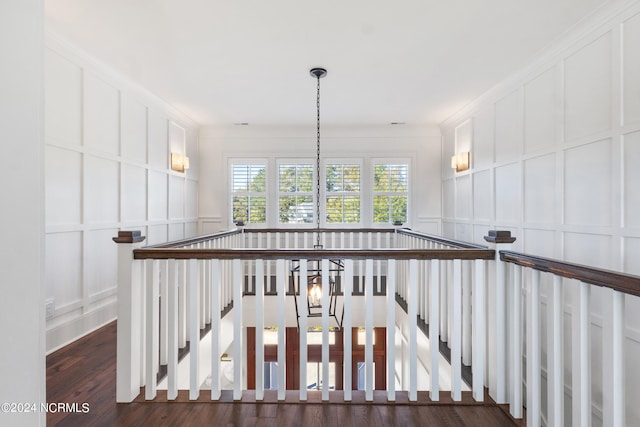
{"points": [[389, 161], [324, 193], [248, 161], [294, 161]]}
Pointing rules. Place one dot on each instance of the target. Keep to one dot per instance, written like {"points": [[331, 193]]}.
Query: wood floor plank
{"points": [[85, 372]]}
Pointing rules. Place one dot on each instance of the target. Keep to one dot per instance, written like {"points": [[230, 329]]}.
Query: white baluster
{"points": [[391, 330], [533, 350], [302, 322], [455, 340], [182, 303], [164, 309], [259, 288], [434, 328], [152, 324], [172, 332], [368, 324], [444, 301], [412, 312], [216, 310], [516, 344], [347, 328], [325, 329], [613, 362], [281, 295], [238, 331], [466, 313], [478, 331], [555, 372], [581, 352], [194, 328]]}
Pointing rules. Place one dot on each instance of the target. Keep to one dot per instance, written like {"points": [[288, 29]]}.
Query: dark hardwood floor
{"points": [[85, 372]]}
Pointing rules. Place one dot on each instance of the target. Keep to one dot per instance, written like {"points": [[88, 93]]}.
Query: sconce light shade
{"points": [[179, 162], [460, 161]]}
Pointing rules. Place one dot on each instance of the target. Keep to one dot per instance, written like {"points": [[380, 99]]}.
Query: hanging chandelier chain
{"points": [[318, 166]]}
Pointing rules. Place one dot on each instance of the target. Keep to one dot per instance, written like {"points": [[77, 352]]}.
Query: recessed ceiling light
{"points": [[398, 123], [241, 124]]}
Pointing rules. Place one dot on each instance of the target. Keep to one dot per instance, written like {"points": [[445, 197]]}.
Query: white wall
{"points": [[554, 153], [420, 145], [107, 151], [22, 360]]}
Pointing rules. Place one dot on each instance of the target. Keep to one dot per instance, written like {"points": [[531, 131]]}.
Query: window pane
{"points": [[248, 178], [258, 209], [305, 178], [351, 209], [295, 178], [399, 208], [391, 183], [398, 178], [248, 188], [296, 209], [334, 209], [287, 178], [381, 209], [380, 178], [351, 176], [240, 208], [334, 178]]}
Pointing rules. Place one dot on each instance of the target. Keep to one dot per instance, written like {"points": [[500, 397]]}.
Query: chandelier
{"points": [[312, 285]]}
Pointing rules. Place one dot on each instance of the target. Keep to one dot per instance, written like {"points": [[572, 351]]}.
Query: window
{"points": [[249, 193], [295, 193], [342, 193], [390, 192]]}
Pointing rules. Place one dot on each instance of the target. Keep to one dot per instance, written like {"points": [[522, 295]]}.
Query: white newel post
{"points": [[129, 340], [497, 353]]}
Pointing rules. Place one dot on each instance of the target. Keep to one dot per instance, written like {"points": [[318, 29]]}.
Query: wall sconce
{"points": [[179, 162], [460, 161]]}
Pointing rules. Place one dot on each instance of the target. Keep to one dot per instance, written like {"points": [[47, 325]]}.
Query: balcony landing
{"points": [[85, 372]]}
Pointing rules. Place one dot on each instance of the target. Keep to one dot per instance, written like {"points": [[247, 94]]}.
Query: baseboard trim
{"points": [[68, 332]]}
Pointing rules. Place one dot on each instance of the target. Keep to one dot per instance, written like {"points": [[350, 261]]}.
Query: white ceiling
{"points": [[228, 61]]}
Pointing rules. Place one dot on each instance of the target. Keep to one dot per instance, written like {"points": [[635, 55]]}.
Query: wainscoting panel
{"points": [[631, 70], [106, 169], [631, 179], [540, 189], [134, 193], [540, 104], [508, 193], [588, 184], [588, 89], [101, 190], [63, 268], [463, 197], [63, 183], [133, 134], [101, 115], [158, 143], [482, 196], [482, 153], [101, 263], [508, 127], [63, 101]]}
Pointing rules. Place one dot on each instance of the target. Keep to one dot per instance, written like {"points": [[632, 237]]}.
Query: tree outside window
{"points": [[342, 193], [390, 192], [249, 193], [295, 189]]}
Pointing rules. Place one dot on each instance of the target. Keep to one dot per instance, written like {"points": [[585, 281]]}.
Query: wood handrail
{"points": [[439, 239], [195, 240], [312, 254], [622, 282], [322, 230]]}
